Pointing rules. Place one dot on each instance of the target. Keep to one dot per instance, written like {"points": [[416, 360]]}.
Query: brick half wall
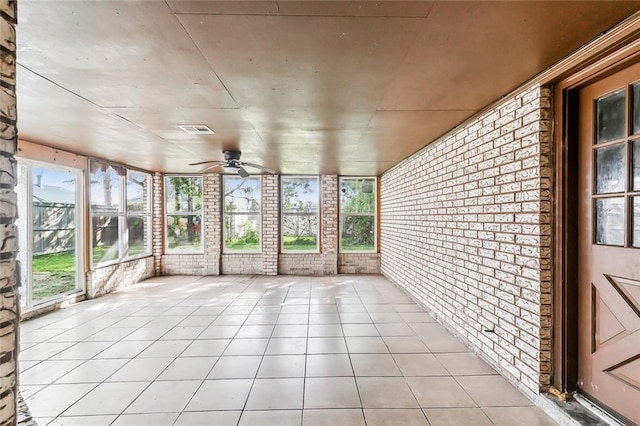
{"points": [[466, 230]]}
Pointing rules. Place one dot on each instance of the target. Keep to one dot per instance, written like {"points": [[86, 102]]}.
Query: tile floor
{"points": [[240, 350]]}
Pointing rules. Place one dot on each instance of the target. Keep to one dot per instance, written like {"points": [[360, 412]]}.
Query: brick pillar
{"points": [[212, 219], [329, 216], [270, 224], [157, 223], [9, 306]]}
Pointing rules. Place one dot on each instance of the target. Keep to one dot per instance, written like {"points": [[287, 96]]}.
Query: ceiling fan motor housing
{"points": [[232, 155]]}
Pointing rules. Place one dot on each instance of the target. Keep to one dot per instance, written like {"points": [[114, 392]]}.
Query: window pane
{"points": [[106, 187], [358, 233], [138, 192], [610, 169], [105, 239], [300, 232], [242, 232], [636, 166], [183, 232], [300, 195], [242, 194], [636, 109], [357, 196], [610, 117], [139, 235], [183, 194], [610, 221], [636, 221]]}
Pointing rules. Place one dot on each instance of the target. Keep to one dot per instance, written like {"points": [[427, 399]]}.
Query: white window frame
{"points": [[145, 214], [283, 214], [374, 215], [200, 213], [226, 249]]}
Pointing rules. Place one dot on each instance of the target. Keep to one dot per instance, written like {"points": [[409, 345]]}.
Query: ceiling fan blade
{"points": [[217, 162], [258, 166], [242, 172], [215, 166]]}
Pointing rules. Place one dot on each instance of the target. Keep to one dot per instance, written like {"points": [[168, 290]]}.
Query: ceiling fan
{"points": [[232, 161]]}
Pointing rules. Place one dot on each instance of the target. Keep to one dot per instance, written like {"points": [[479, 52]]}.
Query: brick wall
{"points": [[270, 224], [465, 228], [330, 215], [111, 278], [359, 263], [242, 263], [212, 222], [157, 222]]}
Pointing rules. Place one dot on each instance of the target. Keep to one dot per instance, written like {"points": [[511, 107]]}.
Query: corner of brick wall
{"points": [[466, 230], [329, 224], [270, 224], [157, 222], [212, 219]]}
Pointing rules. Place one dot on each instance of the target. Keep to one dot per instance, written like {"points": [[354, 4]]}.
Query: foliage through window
{"points": [[120, 212], [358, 214], [183, 206], [242, 201], [300, 200]]}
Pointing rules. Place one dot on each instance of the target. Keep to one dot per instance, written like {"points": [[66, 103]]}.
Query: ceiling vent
{"points": [[196, 129]]}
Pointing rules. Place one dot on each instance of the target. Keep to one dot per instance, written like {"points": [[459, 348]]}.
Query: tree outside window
{"points": [[300, 200], [242, 204], [183, 206], [358, 209]]}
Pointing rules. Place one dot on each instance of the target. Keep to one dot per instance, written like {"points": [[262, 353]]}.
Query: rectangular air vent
{"points": [[196, 129]]}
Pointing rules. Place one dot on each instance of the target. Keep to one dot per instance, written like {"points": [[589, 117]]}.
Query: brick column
{"points": [[270, 224], [9, 308], [157, 223], [212, 219], [329, 229]]}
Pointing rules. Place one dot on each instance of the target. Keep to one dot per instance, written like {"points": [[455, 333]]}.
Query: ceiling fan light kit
{"points": [[232, 163]]}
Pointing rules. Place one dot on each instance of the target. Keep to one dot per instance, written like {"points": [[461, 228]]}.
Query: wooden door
{"points": [[609, 244]]}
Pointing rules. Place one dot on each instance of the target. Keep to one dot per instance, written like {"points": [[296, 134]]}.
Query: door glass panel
{"points": [[610, 117], [636, 109], [610, 169], [636, 221], [636, 166], [610, 221]]}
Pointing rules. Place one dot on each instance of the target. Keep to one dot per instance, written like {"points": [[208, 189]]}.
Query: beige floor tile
{"points": [[236, 367], [366, 345], [325, 330], [140, 370], [324, 318], [355, 318], [395, 329], [111, 334], [219, 332], [522, 416], [326, 365], [164, 397], [494, 391], [374, 365], [124, 349], [29, 390], [405, 345], [333, 417], [464, 364], [155, 419], [385, 317], [287, 330], [458, 417], [331, 392], [293, 319], [55, 399], [47, 372], [360, 330], [255, 331], [246, 347], [44, 351], [261, 319], [287, 346], [419, 365], [229, 320], [197, 321], [380, 308], [439, 392], [414, 317], [201, 418], [323, 309], [213, 347], [148, 332], [183, 333], [274, 366], [326, 345], [407, 307], [83, 421], [93, 371], [394, 417], [293, 309], [385, 392], [191, 368], [271, 418], [437, 338], [106, 398], [220, 395], [276, 394]]}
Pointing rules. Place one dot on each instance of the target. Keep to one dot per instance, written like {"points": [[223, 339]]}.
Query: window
{"points": [[183, 206], [242, 201], [300, 200], [358, 214], [120, 230]]}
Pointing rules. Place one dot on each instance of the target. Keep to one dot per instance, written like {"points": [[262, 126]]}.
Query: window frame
{"points": [[342, 215], [147, 213], [283, 214], [225, 249], [200, 214]]}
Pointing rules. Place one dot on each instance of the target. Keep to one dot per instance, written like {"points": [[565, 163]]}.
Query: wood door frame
{"points": [[620, 54]]}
